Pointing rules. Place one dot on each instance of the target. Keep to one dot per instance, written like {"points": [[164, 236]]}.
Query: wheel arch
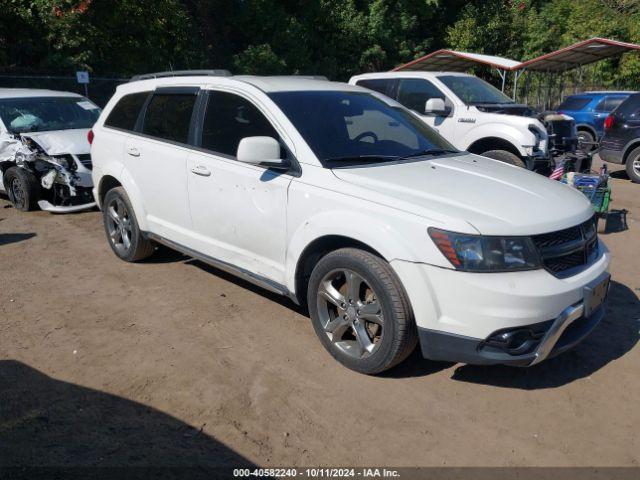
{"points": [[589, 128], [314, 251], [107, 183], [492, 143], [634, 144]]}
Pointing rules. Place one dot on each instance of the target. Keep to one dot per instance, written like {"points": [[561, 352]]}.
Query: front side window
{"points": [[228, 119], [125, 114], [630, 107], [42, 114], [168, 116], [342, 127], [413, 93], [474, 91], [612, 103]]}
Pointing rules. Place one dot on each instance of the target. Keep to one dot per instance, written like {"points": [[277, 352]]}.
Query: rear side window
{"points": [[168, 116], [574, 103], [607, 104], [228, 119], [381, 85], [125, 114], [413, 93], [630, 107]]}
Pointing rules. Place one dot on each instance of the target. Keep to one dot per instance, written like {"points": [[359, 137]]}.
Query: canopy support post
{"points": [[516, 76], [503, 76]]}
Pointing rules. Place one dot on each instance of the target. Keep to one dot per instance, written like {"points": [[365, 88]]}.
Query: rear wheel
{"points": [[360, 312], [120, 224], [586, 140], [23, 188], [633, 165], [506, 157]]}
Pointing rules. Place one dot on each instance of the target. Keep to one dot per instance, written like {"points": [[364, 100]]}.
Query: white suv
{"points": [[343, 200], [470, 113]]}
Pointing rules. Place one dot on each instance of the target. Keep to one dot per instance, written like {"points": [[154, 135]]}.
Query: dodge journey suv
{"points": [[344, 200]]}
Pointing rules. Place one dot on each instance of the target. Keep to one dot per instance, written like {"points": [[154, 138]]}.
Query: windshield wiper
{"points": [[361, 158], [431, 151]]}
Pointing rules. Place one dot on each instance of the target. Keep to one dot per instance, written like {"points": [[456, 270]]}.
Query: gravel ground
{"points": [[171, 362]]}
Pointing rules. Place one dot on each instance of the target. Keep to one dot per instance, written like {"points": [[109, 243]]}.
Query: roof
{"points": [[581, 53], [591, 93], [267, 84], [33, 92], [455, 61]]}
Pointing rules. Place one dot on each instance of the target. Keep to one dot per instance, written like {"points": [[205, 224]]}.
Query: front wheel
{"points": [[23, 188], [360, 311], [633, 165], [120, 224], [506, 157], [586, 141]]}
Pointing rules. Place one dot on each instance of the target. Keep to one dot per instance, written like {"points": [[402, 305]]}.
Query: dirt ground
{"points": [[171, 362]]}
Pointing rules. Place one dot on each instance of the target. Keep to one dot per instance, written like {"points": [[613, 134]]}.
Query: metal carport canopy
{"points": [[453, 61], [581, 53]]}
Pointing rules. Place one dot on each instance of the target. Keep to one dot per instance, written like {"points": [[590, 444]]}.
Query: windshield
{"points": [[345, 127], [40, 114], [473, 91]]}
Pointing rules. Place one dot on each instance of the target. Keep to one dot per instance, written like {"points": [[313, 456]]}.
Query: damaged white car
{"points": [[45, 156]]}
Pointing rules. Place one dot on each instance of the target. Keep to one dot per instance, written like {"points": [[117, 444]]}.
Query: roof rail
{"points": [[182, 73]]}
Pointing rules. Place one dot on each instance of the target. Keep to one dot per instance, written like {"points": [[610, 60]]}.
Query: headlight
{"points": [[477, 253]]}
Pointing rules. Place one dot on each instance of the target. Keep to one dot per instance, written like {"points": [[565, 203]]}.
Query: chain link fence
{"points": [[99, 90]]}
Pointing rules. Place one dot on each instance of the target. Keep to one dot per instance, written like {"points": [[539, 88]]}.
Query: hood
{"points": [[508, 109], [495, 198], [62, 142]]}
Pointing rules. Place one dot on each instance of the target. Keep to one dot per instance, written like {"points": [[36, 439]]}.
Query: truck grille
{"points": [[85, 160], [566, 251]]}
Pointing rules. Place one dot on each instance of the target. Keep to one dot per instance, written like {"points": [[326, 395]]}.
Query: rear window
{"points": [[125, 114], [630, 107], [381, 85], [609, 103], [574, 103], [168, 116]]}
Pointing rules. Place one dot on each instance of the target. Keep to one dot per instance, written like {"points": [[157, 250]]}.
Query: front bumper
{"points": [[561, 334], [47, 206], [456, 312]]}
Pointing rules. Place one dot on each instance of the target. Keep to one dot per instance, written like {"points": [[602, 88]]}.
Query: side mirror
{"points": [[260, 150], [435, 106]]}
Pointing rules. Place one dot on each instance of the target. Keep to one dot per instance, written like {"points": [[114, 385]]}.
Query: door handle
{"points": [[201, 170], [133, 151]]}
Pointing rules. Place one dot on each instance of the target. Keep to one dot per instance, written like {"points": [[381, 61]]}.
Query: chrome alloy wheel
{"points": [[636, 166], [119, 225], [350, 313], [17, 193]]}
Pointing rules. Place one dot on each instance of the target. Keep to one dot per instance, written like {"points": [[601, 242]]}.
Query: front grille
{"points": [[85, 160], [566, 251]]}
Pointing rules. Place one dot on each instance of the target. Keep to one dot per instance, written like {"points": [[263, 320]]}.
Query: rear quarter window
{"points": [[630, 107], [574, 103], [125, 114]]}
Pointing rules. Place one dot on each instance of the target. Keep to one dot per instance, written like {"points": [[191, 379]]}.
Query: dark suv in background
{"points": [[589, 109], [621, 141]]}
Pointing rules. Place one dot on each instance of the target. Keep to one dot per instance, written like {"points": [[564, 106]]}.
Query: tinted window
{"points": [[230, 118], [474, 91], [125, 114], [611, 103], [630, 107], [40, 114], [413, 93], [382, 85], [342, 127], [168, 116], [574, 103]]}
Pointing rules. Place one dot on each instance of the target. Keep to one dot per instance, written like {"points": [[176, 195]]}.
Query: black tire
{"points": [[633, 165], [586, 140], [23, 188], [137, 247], [506, 157], [398, 332]]}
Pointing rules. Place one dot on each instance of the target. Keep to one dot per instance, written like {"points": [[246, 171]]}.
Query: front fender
{"points": [[515, 136], [380, 236]]}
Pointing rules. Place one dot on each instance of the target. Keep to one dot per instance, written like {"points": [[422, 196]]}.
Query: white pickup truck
{"points": [[470, 113]]}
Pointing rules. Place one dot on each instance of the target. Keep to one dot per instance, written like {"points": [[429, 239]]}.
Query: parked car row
{"points": [[342, 199]]}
